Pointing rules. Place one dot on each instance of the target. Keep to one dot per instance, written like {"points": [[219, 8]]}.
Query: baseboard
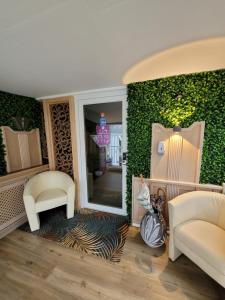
{"points": [[13, 226], [135, 225]]}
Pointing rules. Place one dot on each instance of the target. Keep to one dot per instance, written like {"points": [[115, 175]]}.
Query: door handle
{"points": [[125, 154]]}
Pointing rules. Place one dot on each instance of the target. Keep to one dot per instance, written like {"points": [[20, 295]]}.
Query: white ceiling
{"points": [[63, 46]]}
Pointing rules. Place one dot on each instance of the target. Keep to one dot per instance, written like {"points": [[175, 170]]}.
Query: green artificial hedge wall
{"points": [[158, 101], [15, 106]]}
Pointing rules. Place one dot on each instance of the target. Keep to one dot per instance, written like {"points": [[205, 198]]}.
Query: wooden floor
{"points": [[34, 268]]}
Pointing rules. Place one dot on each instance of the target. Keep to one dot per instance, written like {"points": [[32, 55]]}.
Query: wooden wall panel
{"points": [[23, 149], [12, 150], [59, 116], [74, 149], [35, 145], [178, 188], [60, 120], [49, 136], [182, 158]]}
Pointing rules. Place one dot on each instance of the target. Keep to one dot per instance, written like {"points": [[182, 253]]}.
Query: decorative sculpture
{"points": [[153, 227]]}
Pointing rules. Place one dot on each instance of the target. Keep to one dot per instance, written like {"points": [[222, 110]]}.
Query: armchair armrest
{"points": [[28, 194], [70, 189], [71, 192], [181, 209], [29, 203]]}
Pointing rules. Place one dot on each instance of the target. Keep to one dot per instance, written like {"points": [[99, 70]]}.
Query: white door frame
{"points": [[117, 94]]}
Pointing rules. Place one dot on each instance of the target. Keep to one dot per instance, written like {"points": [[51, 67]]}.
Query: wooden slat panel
{"points": [[23, 149], [192, 152], [12, 155], [34, 144], [178, 188], [14, 177], [182, 157]]}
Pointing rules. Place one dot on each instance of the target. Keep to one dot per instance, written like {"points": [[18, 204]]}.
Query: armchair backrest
{"points": [[199, 205], [48, 180], [211, 208]]}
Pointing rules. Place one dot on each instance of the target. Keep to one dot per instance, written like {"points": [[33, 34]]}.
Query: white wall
{"points": [[203, 55]]}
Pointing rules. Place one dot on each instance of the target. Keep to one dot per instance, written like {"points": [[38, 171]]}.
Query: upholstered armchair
{"points": [[45, 191], [197, 229]]}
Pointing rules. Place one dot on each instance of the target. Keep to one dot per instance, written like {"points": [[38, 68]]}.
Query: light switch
{"points": [[161, 148]]}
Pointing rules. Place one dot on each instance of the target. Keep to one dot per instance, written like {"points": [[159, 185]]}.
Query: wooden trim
{"points": [[6, 151], [49, 137], [97, 97], [15, 177], [22, 132], [48, 126], [50, 140], [17, 222], [201, 142], [74, 150], [93, 92], [39, 146], [64, 99], [12, 185], [11, 221], [132, 197], [185, 183]]}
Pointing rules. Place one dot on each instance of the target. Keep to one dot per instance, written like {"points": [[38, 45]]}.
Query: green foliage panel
{"points": [[158, 101], [12, 106]]}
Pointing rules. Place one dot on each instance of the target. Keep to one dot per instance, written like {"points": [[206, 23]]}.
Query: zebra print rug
{"points": [[94, 233]]}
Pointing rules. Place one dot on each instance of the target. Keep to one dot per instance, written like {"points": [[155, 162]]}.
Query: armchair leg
{"points": [[34, 221], [70, 210], [174, 253]]}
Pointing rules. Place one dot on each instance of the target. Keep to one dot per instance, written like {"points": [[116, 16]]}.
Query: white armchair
{"points": [[45, 191], [197, 229]]}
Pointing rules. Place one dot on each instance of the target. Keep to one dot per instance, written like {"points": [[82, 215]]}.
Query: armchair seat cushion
{"points": [[50, 198], [204, 239]]}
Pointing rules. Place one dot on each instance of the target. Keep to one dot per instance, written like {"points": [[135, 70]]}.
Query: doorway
{"points": [[103, 137], [102, 164]]}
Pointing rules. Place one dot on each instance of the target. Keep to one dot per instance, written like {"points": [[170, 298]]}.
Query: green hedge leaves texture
{"points": [[17, 106], [175, 100]]}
